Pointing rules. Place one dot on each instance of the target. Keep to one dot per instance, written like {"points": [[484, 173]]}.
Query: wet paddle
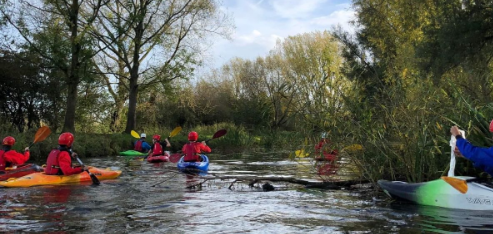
{"points": [[41, 135], [95, 180], [174, 158]]}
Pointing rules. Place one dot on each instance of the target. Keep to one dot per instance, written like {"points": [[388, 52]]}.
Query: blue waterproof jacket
{"points": [[481, 157]]}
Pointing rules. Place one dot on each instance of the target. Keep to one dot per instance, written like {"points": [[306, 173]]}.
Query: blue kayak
{"points": [[201, 166]]}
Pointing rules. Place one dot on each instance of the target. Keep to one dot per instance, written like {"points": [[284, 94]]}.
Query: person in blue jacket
{"points": [[481, 157], [141, 145]]}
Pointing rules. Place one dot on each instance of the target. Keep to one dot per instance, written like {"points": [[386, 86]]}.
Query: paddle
{"points": [[460, 185], [174, 158], [41, 135], [95, 180], [134, 134], [174, 132]]}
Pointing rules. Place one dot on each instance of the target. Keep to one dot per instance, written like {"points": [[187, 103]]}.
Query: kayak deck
{"points": [[132, 153], [40, 178], [201, 166], [19, 171]]}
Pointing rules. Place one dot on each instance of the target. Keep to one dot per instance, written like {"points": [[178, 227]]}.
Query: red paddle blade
{"points": [[219, 133], [41, 134], [174, 158]]}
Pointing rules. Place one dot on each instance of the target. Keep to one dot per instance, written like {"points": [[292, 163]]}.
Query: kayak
{"points": [[132, 153], [161, 158], [201, 166], [19, 171], [40, 178], [440, 193]]}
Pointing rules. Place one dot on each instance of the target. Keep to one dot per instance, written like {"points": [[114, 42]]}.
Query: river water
{"points": [[155, 198]]}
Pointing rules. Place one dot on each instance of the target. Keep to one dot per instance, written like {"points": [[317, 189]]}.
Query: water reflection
{"points": [[156, 198], [442, 220]]}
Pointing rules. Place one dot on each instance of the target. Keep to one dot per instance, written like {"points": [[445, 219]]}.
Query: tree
{"points": [[147, 39], [71, 20]]}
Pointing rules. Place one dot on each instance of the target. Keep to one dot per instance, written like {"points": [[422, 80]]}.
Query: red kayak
{"points": [[20, 171], [160, 158]]}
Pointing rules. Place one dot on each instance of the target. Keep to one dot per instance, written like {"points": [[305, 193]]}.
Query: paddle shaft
{"points": [[94, 179]]}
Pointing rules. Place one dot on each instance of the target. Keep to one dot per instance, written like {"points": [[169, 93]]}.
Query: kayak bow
{"points": [[442, 194]]}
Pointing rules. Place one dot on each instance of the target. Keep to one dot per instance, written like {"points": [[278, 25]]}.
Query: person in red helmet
{"points": [[158, 146], [480, 156], [10, 157], [59, 161], [192, 149]]}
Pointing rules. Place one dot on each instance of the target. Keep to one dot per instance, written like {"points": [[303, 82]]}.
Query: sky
{"points": [[260, 23]]}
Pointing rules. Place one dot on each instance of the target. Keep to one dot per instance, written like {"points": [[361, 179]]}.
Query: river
{"points": [[155, 198]]}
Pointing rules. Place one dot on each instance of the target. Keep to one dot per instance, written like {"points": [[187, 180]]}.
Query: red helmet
{"points": [[193, 136], [8, 141], [156, 137], [491, 126], [66, 138]]}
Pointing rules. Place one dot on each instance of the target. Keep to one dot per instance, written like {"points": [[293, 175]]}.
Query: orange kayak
{"points": [[40, 178]]}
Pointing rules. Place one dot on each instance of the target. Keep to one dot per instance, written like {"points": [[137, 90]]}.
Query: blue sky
{"points": [[259, 23]]}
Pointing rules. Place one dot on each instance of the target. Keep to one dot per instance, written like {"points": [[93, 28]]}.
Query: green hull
{"points": [[440, 193], [132, 153]]}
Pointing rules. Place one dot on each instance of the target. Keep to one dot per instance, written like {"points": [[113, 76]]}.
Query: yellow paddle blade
{"points": [[175, 131], [300, 153], [460, 185], [353, 148], [41, 134], [135, 134]]}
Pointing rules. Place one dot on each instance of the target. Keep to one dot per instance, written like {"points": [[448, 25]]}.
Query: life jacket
{"points": [[138, 146], [157, 149], [192, 152], [52, 165], [3, 164]]}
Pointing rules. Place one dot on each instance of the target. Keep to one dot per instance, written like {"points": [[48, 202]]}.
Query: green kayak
{"points": [[475, 196], [132, 153]]}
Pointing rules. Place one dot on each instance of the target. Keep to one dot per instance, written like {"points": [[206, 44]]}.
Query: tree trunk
{"points": [[73, 76], [132, 103]]}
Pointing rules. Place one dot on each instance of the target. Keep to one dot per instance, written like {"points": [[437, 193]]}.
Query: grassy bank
{"points": [[237, 140]]}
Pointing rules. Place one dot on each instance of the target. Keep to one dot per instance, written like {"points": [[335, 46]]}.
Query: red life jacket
{"points": [[157, 149], [192, 152], [138, 146], [52, 165], [3, 164]]}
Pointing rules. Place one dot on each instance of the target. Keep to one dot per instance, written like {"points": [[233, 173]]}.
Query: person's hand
{"points": [[457, 152], [84, 168], [26, 149], [74, 155], [454, 131], [203, 142]]}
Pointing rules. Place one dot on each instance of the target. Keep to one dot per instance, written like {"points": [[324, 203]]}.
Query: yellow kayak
{"points": [[40, 178]]}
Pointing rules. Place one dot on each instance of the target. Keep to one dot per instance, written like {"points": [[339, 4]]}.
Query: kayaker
{"points": [[322, 149], [59, 161], [10, 157], [141, 145], [480, 156], [158, 146], [192, 149]]}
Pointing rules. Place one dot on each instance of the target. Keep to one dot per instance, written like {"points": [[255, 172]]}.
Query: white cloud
{"points": [[260, 23]]}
